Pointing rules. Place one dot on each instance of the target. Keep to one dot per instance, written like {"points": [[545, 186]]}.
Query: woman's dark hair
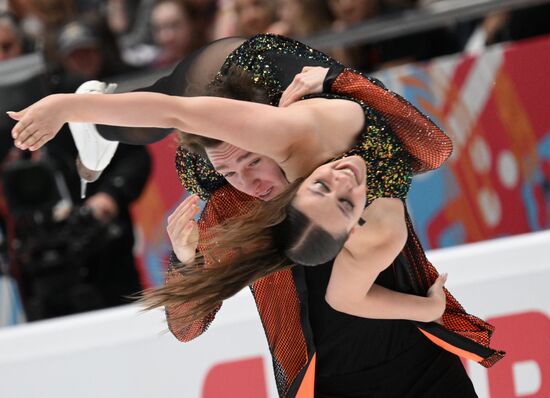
{"points": [[304, 242], [236, 84], [270, 237]]}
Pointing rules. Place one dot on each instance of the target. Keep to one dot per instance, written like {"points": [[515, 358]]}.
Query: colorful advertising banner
{"points": [[495, 108]]}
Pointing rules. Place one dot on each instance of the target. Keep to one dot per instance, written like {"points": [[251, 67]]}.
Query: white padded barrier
{"points": [[125, 353]]}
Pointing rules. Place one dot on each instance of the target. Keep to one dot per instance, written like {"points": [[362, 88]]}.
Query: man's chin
{"points": [[270, 193]]}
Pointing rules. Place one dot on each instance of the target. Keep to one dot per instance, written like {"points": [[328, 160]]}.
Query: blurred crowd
{"points": [[98, 38], [71, 254]]}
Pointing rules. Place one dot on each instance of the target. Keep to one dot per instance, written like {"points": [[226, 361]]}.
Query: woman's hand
{"points": [[38, 123], [182, 229], [436, 295], [309, 81]]}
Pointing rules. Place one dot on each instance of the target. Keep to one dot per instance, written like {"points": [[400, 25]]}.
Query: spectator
{"points": [[119, 16], [254, 16], [350, 12], [386, 53], [173, 32], [11, 38], [83, 52], [224, 22], [41, 20], [54, 13], [205, 15], [509, 26], [129, 22], [25, 12], [301, 18], [79, 50]]}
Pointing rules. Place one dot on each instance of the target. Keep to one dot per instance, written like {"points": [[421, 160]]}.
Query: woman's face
{"points": [[333, 196], [251, 173]]}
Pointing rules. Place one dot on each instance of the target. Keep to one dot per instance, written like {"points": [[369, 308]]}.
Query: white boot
{"points": [[94, 151]]}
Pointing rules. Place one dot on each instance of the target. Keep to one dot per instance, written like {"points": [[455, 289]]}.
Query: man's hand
{"points": [[182, 229], [436, 294]]}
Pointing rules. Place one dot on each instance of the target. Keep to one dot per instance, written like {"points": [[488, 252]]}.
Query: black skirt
{"points": [[358, 357]]}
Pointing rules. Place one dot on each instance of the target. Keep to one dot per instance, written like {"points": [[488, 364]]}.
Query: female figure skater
{"points": [[305, 116]]}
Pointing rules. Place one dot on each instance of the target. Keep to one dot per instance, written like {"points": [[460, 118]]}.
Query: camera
{"points": [[53, 245]]}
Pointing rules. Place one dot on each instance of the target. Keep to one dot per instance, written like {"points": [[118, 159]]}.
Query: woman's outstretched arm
{"points": [[256, 127]]}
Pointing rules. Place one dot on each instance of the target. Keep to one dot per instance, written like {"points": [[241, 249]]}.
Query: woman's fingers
{"points": [[30, 138], [309, 81], [26, 137], [294, 91], [180, 232], [15, 115], [185, 244], [287, 94], [38, 123], [38, 144], [21, 126]]}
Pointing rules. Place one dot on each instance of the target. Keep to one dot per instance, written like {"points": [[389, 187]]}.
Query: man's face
{"points": [[251, 173]]}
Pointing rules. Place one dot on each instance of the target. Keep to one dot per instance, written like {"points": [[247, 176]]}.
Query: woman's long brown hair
{"points": [[241, 251]]}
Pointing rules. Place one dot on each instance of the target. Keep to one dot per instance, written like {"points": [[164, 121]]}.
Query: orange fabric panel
{"points": [[307, 388], [451, 348]]}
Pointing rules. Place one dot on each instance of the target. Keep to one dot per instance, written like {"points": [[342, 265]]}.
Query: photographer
{"points": [[71, 254]]}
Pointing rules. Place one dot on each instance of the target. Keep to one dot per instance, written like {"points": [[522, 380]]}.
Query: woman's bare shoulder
{"points": [[339, 123]]}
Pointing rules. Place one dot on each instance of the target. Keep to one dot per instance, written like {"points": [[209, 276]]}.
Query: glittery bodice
{"points": [[197, 174], [273, 61], [389, 166]]}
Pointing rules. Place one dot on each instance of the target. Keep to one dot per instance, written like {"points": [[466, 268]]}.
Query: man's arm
{"points": [[176, 313]]}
